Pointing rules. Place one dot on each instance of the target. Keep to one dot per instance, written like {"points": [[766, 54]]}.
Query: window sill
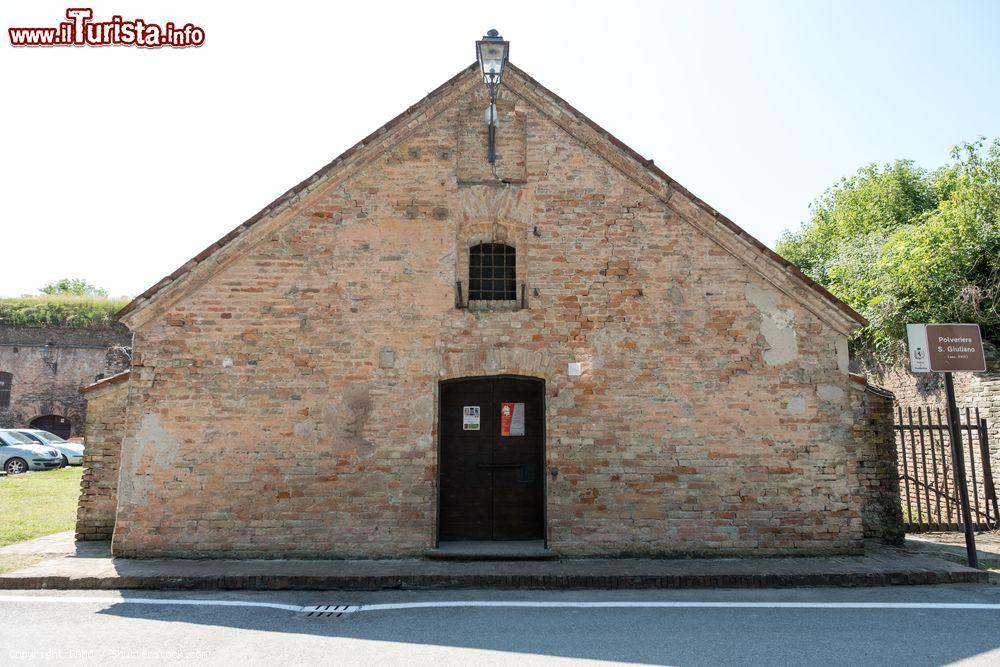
{"points": [[493, 306]]}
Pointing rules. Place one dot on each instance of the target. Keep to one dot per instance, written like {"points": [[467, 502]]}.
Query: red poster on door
{"points": [[511, 419], [506, 412]]}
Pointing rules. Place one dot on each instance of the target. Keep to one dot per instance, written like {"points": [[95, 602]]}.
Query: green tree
{"points": [[900, 244], [75, 287]]}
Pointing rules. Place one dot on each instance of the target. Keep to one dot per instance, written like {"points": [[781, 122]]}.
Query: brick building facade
{"points": [[331, 380], [105, 425], [43, 368], [875, 439]]}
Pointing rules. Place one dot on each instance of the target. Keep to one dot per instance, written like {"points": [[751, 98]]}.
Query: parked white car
{"points": [[19, 453], [72, 452]]}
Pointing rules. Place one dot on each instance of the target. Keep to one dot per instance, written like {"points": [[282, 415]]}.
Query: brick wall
{"points": [[50, 364], [881, 513], [105, 425], [284, 402]]}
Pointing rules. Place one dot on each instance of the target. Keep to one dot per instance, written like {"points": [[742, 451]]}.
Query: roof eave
{"points": [[106, 382], [649, 165], [282, 201], [852, 319]]}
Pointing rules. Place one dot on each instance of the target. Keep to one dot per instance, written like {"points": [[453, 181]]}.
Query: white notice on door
{"points": [[517, 420], [470, 418]]}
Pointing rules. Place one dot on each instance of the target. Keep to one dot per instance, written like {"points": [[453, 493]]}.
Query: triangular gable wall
{"points": [[729, 236]]}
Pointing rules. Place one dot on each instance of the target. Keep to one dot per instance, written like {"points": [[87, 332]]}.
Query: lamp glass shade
{"points": [[492, 56]]}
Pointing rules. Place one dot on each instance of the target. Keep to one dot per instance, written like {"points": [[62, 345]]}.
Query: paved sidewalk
{"points": [[952, 547], [22, 554], [93, 568], [58, 544], [987, 543]]}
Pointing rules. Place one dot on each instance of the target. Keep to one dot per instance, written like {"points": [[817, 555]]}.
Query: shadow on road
{"points": [[661, 636]]}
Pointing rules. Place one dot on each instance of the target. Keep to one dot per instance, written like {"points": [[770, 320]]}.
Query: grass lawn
{"points": [[38, 503]]}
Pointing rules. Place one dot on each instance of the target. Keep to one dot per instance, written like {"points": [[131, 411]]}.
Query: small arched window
{"points": [[492, 272], [6, 380]]}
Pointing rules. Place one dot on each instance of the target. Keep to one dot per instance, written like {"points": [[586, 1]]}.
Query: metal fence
{"points": [[927, 476]]}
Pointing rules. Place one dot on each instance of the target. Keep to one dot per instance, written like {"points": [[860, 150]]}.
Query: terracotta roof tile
{"points": [[106, 382]]}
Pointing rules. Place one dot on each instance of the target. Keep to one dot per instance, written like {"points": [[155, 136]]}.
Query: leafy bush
{"points": [[60, 310], [900, 244], [76, 286]]}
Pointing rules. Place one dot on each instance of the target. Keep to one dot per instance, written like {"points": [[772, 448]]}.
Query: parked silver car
{"points": [[19, 453], [72, 452]]}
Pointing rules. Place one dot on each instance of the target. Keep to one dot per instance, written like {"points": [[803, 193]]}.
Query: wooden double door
{"points": [[492, 460]]}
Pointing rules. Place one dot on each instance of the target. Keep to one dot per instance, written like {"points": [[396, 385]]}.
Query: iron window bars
{"points": [[6, 382], [492, 272]]}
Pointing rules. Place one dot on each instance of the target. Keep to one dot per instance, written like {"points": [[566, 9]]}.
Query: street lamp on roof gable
{"points": [[492, 52]]}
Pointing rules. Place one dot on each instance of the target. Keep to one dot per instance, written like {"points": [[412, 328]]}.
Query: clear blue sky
{"points": [[757, 107]]}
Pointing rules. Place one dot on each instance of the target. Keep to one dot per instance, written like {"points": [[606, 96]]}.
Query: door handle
{"points": [[525, 471]]}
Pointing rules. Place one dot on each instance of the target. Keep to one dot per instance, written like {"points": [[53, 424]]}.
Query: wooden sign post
{"points": [[948, 348]]}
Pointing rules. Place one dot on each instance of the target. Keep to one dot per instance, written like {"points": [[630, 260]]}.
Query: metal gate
{"points": [[926, 472]]}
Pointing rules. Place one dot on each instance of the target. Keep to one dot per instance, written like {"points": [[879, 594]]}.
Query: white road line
{"points": [[678, 605], [152, 601], [536, 604]]}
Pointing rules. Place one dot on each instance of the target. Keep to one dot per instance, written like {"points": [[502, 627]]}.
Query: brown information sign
{"points": [[955, 347]]}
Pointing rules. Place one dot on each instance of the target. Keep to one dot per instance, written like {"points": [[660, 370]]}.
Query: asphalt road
{"points": [[130, 627]]}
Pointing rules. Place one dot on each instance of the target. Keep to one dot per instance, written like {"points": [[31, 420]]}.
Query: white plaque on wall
{"points": [[920, 360]]}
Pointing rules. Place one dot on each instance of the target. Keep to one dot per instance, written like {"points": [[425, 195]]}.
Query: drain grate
{"points": [[327, 610]]}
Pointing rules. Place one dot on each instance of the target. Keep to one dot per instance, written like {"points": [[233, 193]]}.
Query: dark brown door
{"points": [[491, 463], [53, 424]]}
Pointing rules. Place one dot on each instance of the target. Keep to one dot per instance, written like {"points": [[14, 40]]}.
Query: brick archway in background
{"points": [[53, 424]]}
